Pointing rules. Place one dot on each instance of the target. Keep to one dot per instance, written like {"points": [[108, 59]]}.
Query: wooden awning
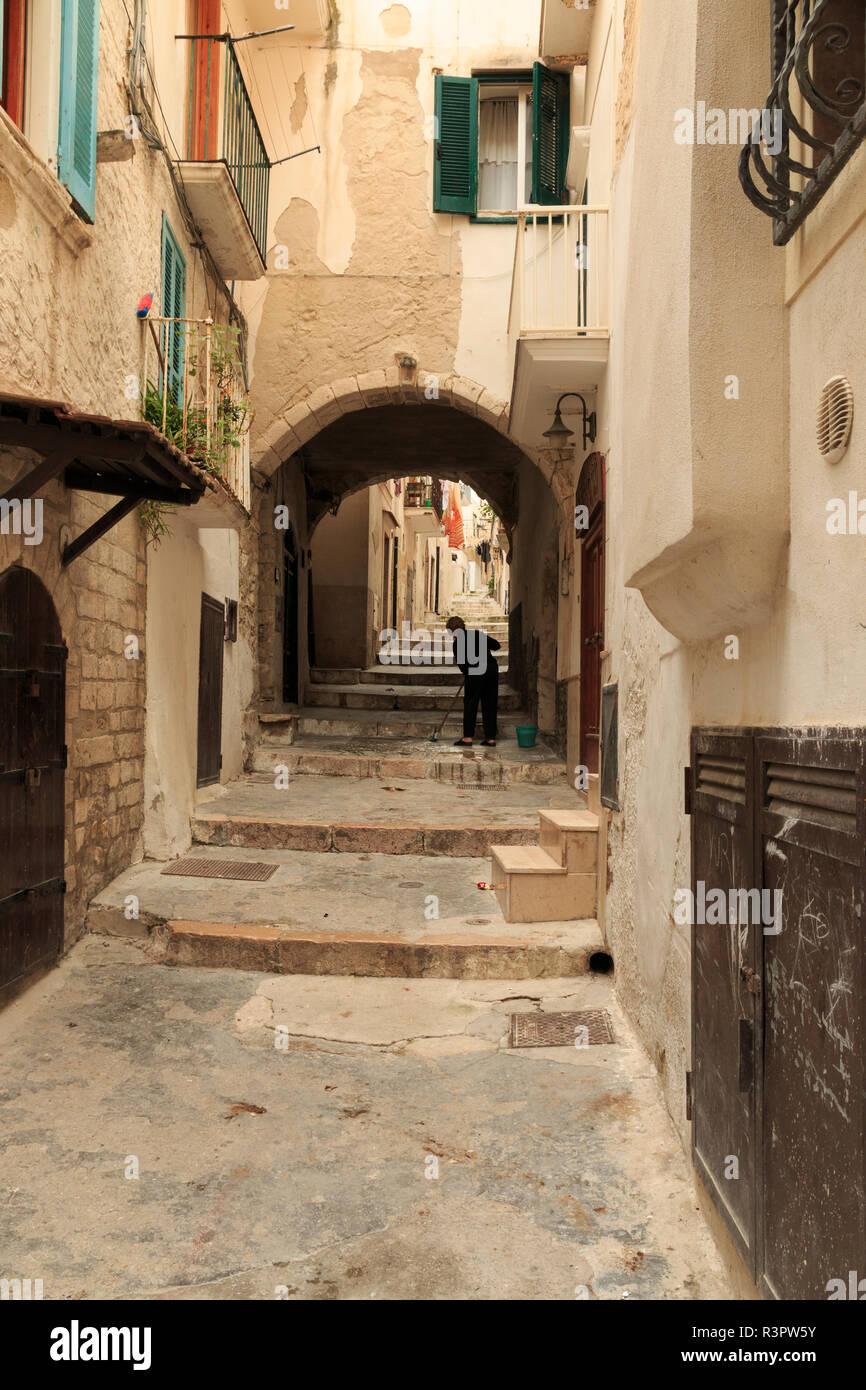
{"points": [[128, 459]]}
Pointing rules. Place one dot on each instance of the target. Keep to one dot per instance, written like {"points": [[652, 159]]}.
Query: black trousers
{"points": [[483, 690]]}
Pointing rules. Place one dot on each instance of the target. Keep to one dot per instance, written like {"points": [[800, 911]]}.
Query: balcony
{"points": [[227, 171], [566, 31], [422, 506], [424, 492], [559, 316], [194, 393], [310, 18], [814, 118]]}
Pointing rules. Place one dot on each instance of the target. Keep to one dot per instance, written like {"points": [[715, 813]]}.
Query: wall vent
{"points": [[835, 416]]}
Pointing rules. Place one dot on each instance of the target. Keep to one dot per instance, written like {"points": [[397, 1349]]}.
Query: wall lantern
{"points": [[559, 434]]}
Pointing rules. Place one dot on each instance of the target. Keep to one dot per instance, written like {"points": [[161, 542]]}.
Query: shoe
{"points": [[463, 743]]}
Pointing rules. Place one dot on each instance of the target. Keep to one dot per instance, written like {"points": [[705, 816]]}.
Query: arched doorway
{"points": [[32, 763], [589, 518], [362, 438]]}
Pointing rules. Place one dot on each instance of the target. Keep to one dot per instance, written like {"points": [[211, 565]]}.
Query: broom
{"points": [[434, 738]]}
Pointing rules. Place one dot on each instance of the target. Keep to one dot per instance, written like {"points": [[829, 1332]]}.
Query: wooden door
{"points": [[290, 619], [811, 795], [591, 643], [32, 763], [206, 56], [394, 570], [386, 570], [778, 1003], [726, 959], [210, 690]]}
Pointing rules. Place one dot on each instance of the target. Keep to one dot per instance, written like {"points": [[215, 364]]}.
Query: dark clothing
{"points": [[483, 689], [477, 653], [473, 651]]}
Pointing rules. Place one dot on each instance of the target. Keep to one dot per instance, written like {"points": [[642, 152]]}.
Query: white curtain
{"points": [[497, 153]]}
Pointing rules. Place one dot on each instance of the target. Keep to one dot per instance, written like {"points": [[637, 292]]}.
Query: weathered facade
{"points": [[531, 248]]}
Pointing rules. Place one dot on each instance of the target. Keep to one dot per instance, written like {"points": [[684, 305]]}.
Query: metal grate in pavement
{"points": [[249, 871], [561, 1030]]}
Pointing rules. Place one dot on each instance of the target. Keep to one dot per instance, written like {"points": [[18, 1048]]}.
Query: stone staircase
{"points": [[555, 879], [368, 824]]}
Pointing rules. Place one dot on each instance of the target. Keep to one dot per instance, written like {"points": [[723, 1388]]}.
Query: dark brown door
{"points": [[591, 643], [725, 1011], [778, 1003], [812, 798], [394, 569], [290, 619], [210, 690], [32, 762]]}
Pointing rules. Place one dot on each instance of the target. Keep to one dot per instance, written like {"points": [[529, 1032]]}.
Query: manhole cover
{"points": [[561, 1030], [478, 921], [221, 868], [411, 883]]}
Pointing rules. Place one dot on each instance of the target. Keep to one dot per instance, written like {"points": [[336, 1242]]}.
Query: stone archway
{"points": [[304, 418], [317, 452]]}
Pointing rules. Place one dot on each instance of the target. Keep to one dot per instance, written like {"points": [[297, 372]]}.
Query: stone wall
{"points": [[100, 600]]}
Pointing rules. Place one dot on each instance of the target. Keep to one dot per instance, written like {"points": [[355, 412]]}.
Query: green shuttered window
{"points": [[173, 307], [550, 134], [455, 175], [79, 62]]}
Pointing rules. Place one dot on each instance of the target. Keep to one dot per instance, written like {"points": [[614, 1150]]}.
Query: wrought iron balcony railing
{"points": [[221, 125], [424, 492], [815, 114], [193, 392]]}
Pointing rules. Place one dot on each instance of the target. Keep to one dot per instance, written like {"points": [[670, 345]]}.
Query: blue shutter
{"points": [[79, 66], [455, 170], [173, 307]]}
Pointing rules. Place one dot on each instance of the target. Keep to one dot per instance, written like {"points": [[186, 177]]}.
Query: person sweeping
{"points": [[474, 656]]}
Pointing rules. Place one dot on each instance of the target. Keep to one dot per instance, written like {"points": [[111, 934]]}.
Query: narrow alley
{"points": [[432, 743]]}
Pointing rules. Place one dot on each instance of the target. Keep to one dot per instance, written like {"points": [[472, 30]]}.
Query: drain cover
{"points": [[221, 868], [560, 1030]]}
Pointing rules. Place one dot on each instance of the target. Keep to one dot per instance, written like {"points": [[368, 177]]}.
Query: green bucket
{"points": [[526, 735]]}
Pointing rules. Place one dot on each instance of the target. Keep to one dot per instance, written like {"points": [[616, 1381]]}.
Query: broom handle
{"points": [[450, 707]]}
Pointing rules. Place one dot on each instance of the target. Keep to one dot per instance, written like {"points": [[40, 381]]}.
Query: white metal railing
{"points": [[193, 391], [560, 282]]}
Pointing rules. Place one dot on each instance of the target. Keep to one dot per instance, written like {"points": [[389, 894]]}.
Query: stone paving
{"points": [[391, 1146]]}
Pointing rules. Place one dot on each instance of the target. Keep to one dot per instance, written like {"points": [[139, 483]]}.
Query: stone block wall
{"points": [[100, 600]]}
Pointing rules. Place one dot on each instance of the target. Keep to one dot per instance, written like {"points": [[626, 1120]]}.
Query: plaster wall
{"points": [[186, 566], [734, 305], [360, 268], [342, 600], [68, 292]]}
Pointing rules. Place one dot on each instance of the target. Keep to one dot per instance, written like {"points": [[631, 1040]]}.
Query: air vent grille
{"points": [[823, 795], [722, 776], [835, 416]]}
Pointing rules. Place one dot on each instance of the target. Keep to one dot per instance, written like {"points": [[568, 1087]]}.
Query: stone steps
{"points": [[331, 756], [461, 954], [406, 675], [557, 877], [376, 925], [366, 816], [396, 697]]}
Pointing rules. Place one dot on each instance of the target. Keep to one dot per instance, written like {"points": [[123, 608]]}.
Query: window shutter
{"points": [[550, 110], [173, 307], [455, 172], [79, 63]]}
